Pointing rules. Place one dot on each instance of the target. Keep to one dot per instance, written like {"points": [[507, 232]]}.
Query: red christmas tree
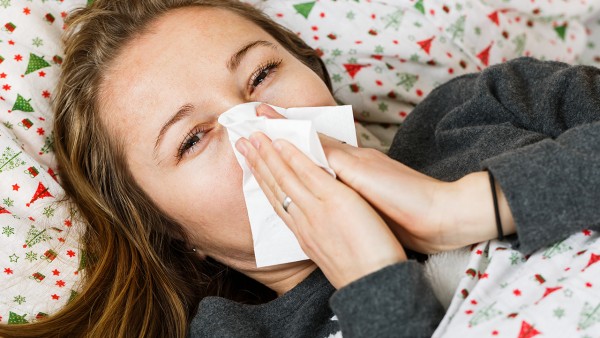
{"points": [[494, 17], [353, 69], [484, 55], [593, 259], [527, 331], [41, 192], [426, 44]]}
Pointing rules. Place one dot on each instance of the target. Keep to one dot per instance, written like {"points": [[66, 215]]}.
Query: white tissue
{"points": [[274, 242]]}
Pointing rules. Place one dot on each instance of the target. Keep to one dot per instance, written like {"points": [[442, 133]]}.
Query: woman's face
{"points": [[161, 100]]}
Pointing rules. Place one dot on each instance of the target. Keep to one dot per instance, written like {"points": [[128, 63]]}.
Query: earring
{"points": [[194, 249]]}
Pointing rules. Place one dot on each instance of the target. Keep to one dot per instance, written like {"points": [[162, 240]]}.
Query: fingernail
{"points": [[254, 142], [241, 146], [277, 145]]}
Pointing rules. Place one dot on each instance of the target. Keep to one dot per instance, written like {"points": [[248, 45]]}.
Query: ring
{"points": [[286, 202]]}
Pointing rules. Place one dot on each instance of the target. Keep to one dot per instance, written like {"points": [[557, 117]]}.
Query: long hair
{"points": [[141, 278]]}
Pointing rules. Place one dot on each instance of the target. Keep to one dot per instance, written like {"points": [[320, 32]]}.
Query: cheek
{"points": [[297, 87], [205, 196]]}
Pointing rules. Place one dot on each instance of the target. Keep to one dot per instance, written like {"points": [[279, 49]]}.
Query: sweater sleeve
{"points": [[396, 301], [534, 125], [552, 184]]}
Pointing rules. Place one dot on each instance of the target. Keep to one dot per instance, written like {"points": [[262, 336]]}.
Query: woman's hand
{"points": [[335, 227], [426, 214]]}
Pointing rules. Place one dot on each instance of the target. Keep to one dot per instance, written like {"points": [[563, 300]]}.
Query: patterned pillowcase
{"points": [[385, 56], [40, 259]]}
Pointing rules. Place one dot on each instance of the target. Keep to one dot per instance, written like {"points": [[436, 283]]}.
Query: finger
{"points": [[260, 170], [268, 111], [266, 162], [315, 179]]}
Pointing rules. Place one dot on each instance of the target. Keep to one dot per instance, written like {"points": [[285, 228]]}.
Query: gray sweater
{"points": [[534, 124]]}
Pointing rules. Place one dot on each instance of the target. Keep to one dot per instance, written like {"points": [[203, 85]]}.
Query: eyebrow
{"points": [[236, 59], [232, 65], [183, 112]]}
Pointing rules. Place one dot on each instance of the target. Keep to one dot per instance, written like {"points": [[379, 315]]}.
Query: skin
{"points": [[202, 190]]}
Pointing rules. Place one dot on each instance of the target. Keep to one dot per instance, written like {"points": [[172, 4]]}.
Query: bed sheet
{"points": [[554, 292]]}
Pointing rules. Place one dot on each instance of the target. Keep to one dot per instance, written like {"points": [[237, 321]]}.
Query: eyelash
{"points": [[187, 146], [267, 68]]}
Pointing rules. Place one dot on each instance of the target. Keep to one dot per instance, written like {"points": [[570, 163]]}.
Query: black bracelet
{"points": [[496, 211]]}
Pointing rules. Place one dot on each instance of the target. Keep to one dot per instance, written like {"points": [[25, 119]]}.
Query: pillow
{"points": [[40, 259], [385, 56]]}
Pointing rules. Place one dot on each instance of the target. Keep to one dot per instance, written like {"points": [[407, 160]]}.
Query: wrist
{"points": [[472, 205]]}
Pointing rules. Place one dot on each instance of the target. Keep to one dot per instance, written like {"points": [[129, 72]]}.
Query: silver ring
{"points": [[286, 202]]}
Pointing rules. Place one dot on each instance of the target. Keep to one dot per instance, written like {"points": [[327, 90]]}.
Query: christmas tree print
{"points": [[426, 44], [14, 318], [305, 8], [590, 315], [457, 29], [547, 292], [394, 20], [10, 160], [420, 7], [407, 80], [556, 249], [48, 145], [593, 259], [73, 295], [527, 330], [494, 17], [520, 41], [484, 55], [41, 192], [353, 69], [485, 314], [22, 105], [35, 63], [35, 236], [561, 31]]}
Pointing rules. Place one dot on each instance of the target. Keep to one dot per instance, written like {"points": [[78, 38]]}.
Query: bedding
{"points": [[383, 58], [553, 292]]}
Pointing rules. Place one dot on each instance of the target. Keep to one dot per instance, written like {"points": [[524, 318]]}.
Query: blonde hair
{"points": [[141, 278]]}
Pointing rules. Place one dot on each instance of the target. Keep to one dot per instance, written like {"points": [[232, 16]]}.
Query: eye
{"points": [[261, 73], [192, 139]]}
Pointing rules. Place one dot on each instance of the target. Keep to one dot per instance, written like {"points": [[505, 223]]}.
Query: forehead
{"points": [[184, 46]]}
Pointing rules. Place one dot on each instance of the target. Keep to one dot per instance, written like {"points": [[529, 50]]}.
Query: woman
{"points": [[154, 175]]}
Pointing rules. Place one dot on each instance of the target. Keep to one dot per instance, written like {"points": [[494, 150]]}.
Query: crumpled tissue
{"points": [[274, 242]]}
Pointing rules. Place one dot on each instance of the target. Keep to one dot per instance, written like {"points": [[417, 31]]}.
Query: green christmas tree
{"points": [[457, 29], [561, 31], [420, 7], [22, 105], [407, 80], [36, 63], [48, 144], [73, 295], [82, 261], [394, 20], [590, 315], [35, 236], [305, 8], [556, 249], [519, 42], [14, 318], [10, 160], [484, 315]]}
